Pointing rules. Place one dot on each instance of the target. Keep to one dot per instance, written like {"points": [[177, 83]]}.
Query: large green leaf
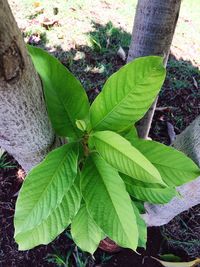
{"points": [[119, 153], [128, 94], [85, 232], [65, 97], [108, 202], [57, 221], [142, 228], [151, 193], [45, 186], [174, 166]]}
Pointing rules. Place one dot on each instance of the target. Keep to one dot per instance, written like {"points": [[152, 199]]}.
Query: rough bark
{"points": [[25, 130], [189, 143], [153, 30]]}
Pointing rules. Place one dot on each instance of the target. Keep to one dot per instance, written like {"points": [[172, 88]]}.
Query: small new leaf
{"points": [[81, 125]]}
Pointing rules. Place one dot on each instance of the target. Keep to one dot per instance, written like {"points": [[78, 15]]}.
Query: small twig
{"points": [[171, 132], [164, 108]]}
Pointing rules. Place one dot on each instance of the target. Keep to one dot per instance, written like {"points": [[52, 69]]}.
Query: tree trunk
{"points": [[25, 130], [189, 143], [153, 30]]}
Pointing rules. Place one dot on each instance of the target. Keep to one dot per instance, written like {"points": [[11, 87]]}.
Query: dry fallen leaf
{"points": [[171, 132], [179, 264], [195, 83], [37, 4], [121, 53]]}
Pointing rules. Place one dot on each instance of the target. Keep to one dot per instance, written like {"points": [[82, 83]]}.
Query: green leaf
{"points": [[142, 228], [128, 94], [151, 193], [45, 186], [170, 257], [85, 232], [65, 97], [132, 133], [108, 202], [57, 221], [174, 166], [119, 153], [139, 204], [81, 125]]}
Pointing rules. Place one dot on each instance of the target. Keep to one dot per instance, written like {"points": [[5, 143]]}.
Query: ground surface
{"points": [[85, 36]]}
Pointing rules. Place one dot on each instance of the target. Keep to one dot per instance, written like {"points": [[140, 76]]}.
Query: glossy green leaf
{"points": [[128, 94], [142, 228], [85, 232], [65, 97], [151, 193], [45, 186], [119, 153], [108, 202], [174, 166], [57, 221]]}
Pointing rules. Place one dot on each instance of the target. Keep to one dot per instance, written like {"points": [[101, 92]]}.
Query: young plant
{"points": [[98, 181]]}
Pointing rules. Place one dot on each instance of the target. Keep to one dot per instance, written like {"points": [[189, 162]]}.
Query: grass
{"points": [[94, 30], [77, 18], [5, 163], [76, 257]]}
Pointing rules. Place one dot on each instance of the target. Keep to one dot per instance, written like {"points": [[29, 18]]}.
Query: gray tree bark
{"points": [[153, 30], [189, 143], [25, 130]]}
